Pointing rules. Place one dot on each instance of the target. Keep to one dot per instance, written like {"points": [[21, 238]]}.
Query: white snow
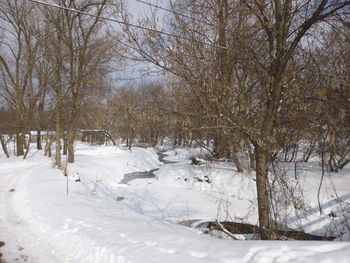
{"points": [[102, 220]]}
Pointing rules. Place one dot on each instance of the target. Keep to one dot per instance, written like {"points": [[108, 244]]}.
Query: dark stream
{"points": [[161, 157], [138, 175], [144, 175]]}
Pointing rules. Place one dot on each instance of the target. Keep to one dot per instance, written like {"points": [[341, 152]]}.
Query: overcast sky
{"points": [[137, 8]]}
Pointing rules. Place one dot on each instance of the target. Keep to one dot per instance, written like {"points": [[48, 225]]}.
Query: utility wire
{"points": [[174, 12], [124, 23]]}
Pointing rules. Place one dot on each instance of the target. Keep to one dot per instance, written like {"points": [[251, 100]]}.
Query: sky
{"points": [[134, 70], [137, 8]]}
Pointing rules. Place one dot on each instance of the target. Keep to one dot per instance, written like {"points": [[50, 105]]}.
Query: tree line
{"points": [[52, 61]]}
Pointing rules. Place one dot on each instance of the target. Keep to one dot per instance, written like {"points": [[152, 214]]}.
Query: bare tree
{"points": [[240, 67], [81, 47], [19, 53]]}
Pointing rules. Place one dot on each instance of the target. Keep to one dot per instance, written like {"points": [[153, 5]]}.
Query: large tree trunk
{"points": [[38, 140], [39, 121], [65, 146], [220, 147], [20, 143], [261, 147], [58, 134], [261, 157], [20, 135], [40, 117], [58, 124], [71, 132]]}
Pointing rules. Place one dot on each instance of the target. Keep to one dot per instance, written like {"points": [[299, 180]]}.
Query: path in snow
{"points": [[9, 224], [18, 237]]}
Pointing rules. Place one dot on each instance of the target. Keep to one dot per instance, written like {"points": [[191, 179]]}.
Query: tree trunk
{"points": [[4, 146], [71, 130], [333, 167], [28, 146], [261, 147], [58, 134], [48, 147], [130, 140], [65, 146], [110, 137], [235, 159], [38, 140], [20, 135], [261, 156], [20, 143], [252, 159], [70, 143], [40, 118], [309, 150]]}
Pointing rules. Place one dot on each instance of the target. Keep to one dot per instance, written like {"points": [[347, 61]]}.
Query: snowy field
{"points": [[102, 220]]}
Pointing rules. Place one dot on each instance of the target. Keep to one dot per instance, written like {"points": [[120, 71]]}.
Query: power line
{"points": [[123, 23], [174, 12]]}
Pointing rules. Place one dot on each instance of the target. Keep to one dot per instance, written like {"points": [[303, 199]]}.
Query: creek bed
{"points": [[147, 174], [138, 175]]}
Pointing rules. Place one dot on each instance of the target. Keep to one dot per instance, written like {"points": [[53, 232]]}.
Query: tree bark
{"points": [[71, 131], [4, 146], [40, 117], [38, 140], [64, 143], [48, 147], [261, 154], [58, 134], [28, 146], [20, 143], [235, 159], [70, 143]]}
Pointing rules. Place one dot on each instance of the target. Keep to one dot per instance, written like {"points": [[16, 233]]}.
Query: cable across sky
{"points": [[174, 12], [124, 23]]}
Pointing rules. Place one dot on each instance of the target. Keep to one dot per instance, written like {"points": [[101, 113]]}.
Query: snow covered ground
{"points": [[102, 220]]}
